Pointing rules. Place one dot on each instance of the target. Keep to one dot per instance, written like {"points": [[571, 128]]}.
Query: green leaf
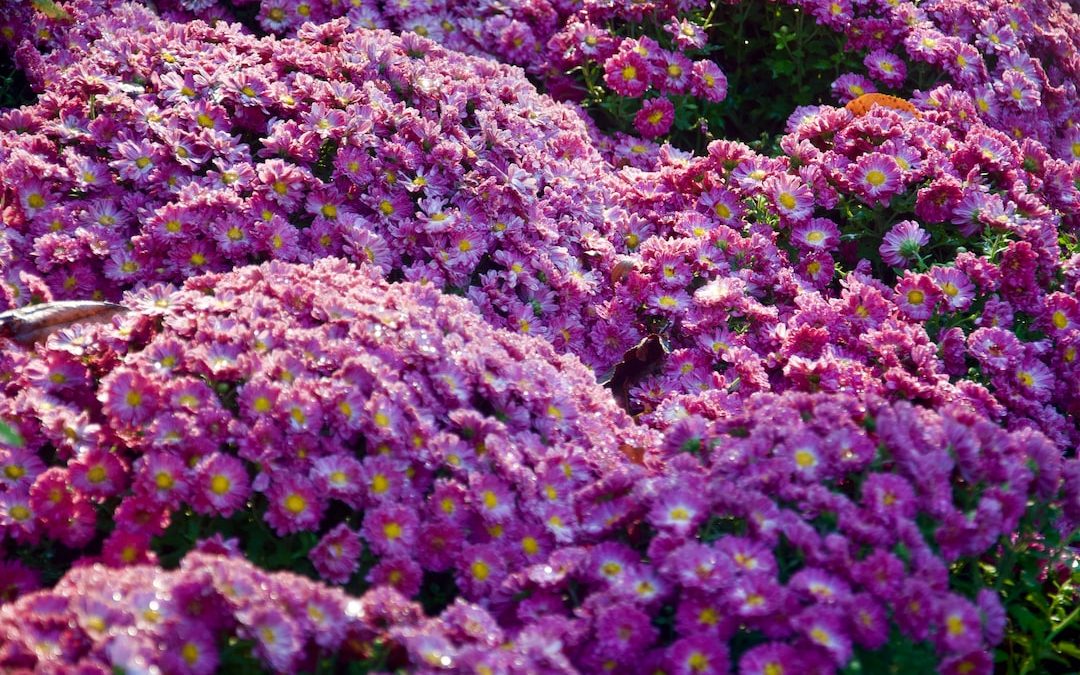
{"points": [[10, 436], [51, 9]]}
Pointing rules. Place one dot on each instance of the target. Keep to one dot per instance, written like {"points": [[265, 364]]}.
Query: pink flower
{"points": [[876, 178], [886, 67], [295, 505], [655, 117], [917, 296], [221, 485], [708, 81], [956, 289], [791, 198], [627, 74], [337, 554], [902, 243], [698, 655], [391, 529]]}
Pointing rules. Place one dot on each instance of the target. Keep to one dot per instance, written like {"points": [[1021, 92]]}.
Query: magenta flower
{"points": [[221, 485], [790, 196], [655, 117], [885, 67], [917, 296], [902, 243], [390, 529], [876, 178], [627, 73], [336, 555], [294, 505], [708, 82]]}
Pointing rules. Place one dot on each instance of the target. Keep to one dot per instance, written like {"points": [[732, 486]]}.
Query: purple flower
{"points": [[902, 243]]}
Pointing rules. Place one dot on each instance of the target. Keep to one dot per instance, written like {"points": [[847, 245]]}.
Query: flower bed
{"points": [[847, 347]]}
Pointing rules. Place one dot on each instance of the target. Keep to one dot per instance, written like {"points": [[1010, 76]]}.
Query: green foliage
{"points": [[14, 89], [774, 57]]}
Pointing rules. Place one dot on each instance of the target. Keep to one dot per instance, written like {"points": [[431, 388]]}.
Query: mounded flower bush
{"points": [[218, 612], [914, 256], [425, 163], [385, 432]]}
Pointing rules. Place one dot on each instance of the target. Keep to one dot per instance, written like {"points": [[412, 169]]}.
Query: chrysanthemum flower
{"points": [[791, 198], [902, 242], [876, 178], [294, 505], [917, 296], [655, 117]]}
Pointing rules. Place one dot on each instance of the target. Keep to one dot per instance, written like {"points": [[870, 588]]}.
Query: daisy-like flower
{"points": [[295, 505], [162, 477], [820, 234], [277, 638], [19, 467], [722, 203], [190, 649], [960, 627], [851, 86], [875, 178], [221, 485], [337, 554], [686, 33], [771, 658], [698, 655], [793, 200], [826, 629], [957, 291], [391, 529], [627, 74], [1034, 379], [98, 473], [677, 512], [901, 244], [480, 568], [708, 81], [917, 296], [885, 67], [127, 396], [655, 117]]}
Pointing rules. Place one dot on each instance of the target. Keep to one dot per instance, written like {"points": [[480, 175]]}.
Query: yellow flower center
{"points": [[295, 504], [698, 662], [392, 531], [190, 653], [480, 570], [164, 480], [629, 73], [1059, 319], [220, 484], [787, 200], [915, 297], [805, 459], [875, 177], [379, 484], [329, 211]]}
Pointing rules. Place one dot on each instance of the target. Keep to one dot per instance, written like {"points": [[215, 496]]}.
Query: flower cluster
{"points": [[218, 612], [362, 420], [430, 165], [762, 276], [822, 524]]}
